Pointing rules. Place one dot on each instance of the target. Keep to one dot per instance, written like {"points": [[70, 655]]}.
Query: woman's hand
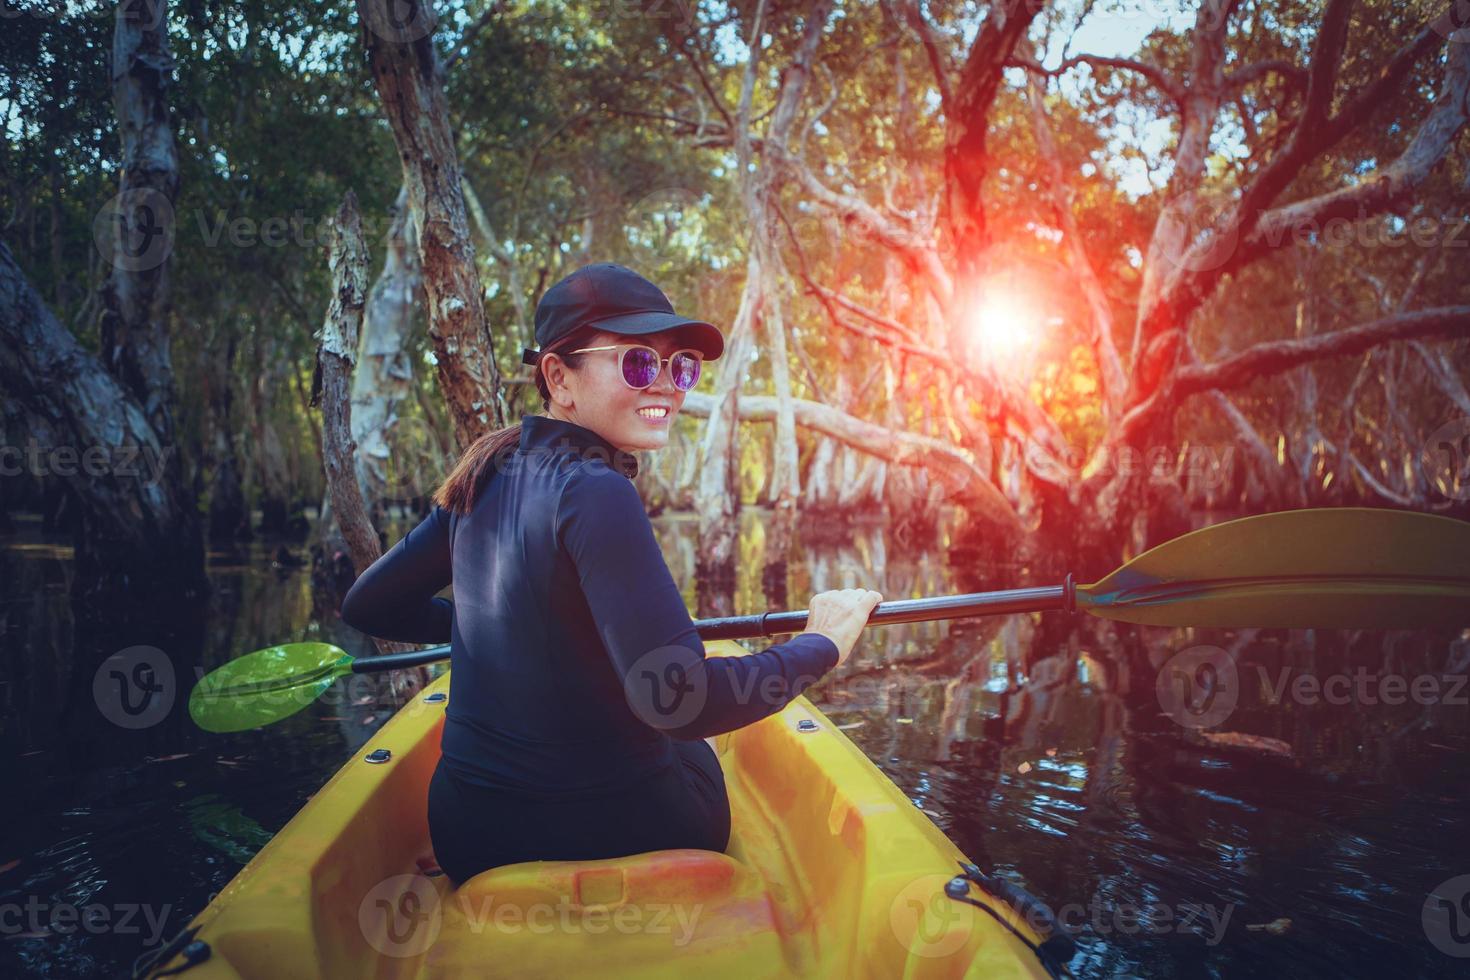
{"points": [[840, 615]]}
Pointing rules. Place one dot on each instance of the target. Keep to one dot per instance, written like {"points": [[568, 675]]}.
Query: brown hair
{"points": [[462, 486]]}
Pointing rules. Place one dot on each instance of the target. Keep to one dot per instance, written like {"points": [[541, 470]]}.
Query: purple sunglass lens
{"points": [[640, 366], [685, 369]]}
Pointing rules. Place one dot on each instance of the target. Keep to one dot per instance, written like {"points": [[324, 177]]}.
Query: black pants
{"points": [[474, 828]]}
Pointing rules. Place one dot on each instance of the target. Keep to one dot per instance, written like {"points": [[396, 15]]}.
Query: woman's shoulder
{"points": [[591, 477], [594, 494]]}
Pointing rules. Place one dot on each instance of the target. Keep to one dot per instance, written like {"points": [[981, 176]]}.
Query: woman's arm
{"points": [[646, 627], [395, 598]]}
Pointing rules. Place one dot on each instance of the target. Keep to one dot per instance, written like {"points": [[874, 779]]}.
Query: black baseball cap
{"points": [[614, 298]]}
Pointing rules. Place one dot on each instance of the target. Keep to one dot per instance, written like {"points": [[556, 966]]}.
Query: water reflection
{"points": [[1297, 836]]}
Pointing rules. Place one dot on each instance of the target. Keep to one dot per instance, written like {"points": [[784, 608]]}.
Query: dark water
{"points": [[1237, 822]]}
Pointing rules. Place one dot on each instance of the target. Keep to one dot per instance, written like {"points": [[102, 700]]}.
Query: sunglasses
{"points": [[640, 364]]}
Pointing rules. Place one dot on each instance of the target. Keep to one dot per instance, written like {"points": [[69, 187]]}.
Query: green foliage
{"points": [[579, 127]]}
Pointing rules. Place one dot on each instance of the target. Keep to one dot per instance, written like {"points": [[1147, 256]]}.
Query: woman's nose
{"points": [[664, 383]]}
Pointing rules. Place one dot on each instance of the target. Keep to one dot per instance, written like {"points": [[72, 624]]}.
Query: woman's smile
{"points": [[659, 415]]}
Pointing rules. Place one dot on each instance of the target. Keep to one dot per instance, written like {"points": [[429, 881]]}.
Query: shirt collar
{"points": [[545, 432]]}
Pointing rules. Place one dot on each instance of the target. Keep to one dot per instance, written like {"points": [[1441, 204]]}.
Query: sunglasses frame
{"points": [[625, 348]]}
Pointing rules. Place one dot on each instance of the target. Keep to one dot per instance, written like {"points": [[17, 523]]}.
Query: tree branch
{"points": [[1161, 79], [1274, 356], [1295, 75], [913, 14], [955, 466]]}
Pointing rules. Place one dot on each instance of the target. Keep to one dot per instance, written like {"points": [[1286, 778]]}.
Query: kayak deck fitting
{"points": [[831, 872]]}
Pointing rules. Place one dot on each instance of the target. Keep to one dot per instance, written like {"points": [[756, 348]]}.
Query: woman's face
{"points": [[595, 397]]}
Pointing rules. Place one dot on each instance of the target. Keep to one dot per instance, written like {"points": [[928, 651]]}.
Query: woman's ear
{"points": [[558, 380]]}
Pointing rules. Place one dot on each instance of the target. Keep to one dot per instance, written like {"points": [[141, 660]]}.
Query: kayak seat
{"points": [[620, 913], [684, 873]]}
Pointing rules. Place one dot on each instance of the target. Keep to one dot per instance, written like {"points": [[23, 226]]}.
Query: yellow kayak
{"points": [[831, 872]]}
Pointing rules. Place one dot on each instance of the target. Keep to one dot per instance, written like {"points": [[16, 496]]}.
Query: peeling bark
{"points": [[382, 375], [134, 322], [717, 497], [406, 71], [336, 355]]}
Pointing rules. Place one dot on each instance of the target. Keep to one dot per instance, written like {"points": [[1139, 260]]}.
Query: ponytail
{"points": [[462, 486]]}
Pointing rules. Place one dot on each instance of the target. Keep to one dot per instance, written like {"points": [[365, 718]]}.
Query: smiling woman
{"points": [[582, 690]]}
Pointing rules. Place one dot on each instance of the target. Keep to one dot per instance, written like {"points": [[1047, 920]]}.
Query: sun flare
{"points": [[1002, 327]]}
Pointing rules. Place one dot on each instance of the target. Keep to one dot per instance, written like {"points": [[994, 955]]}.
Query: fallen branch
{"points": [[954, 466]]}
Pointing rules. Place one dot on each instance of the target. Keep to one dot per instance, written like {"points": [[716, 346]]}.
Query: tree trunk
{"points": [[136, 525], [785, 476], [134, 323], [349, 259], [383, 373], [399, 38], [717, 499]]}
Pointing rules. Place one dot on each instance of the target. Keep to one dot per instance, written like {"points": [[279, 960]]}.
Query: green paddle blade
{"points": [[1347, 567], [266, 686]]}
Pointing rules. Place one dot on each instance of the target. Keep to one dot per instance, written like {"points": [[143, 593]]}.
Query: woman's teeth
{"points": [[653, 413]]}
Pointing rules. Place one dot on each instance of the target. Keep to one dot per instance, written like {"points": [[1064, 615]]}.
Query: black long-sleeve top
{"points": [[574, 657]]}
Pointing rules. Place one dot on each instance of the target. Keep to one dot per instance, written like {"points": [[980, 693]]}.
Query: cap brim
{"points": [[704, 337]]}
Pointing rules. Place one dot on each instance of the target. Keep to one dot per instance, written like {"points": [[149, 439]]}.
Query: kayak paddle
{"points": [[1343, 567]]}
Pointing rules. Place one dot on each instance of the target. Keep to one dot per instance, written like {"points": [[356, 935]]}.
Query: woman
{"points": [[581, 693]]}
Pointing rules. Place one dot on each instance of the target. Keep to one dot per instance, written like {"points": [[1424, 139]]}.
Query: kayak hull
{"points": [[831, 871]]}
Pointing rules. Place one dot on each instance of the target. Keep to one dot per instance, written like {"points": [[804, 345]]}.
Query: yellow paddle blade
{"points": [[1345, 567]]}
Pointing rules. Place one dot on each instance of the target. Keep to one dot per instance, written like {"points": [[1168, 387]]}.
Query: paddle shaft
{"points": [[1040, 599]]}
